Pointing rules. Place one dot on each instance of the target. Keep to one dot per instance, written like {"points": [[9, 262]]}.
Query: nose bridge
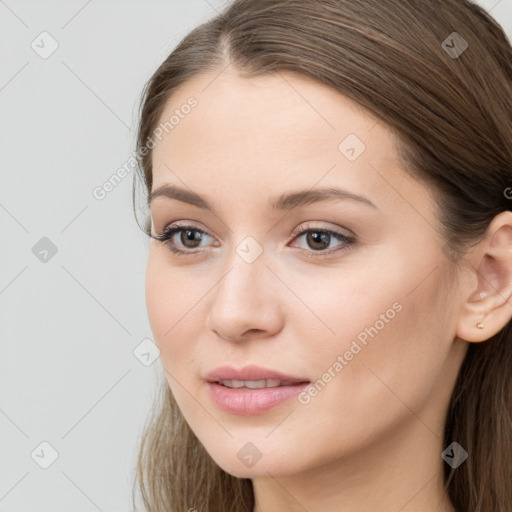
{"points": [[244, 298], [244, 278]]}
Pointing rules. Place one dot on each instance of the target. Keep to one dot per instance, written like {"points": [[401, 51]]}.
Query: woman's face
{"points": [[351, 295]]}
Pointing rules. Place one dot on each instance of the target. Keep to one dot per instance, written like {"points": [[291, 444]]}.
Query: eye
{"points": [[318, 240], [190, 238]]}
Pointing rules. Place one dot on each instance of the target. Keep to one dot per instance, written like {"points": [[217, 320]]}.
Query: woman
{"points": [[330, 264]]}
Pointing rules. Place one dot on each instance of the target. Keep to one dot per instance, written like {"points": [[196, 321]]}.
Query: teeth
{"points": [[255, 384]]}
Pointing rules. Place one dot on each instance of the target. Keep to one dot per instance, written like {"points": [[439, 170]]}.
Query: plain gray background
{"points": [[71, 321]]}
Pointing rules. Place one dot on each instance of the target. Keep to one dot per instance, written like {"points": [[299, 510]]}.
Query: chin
{"points": [[241, 466]]}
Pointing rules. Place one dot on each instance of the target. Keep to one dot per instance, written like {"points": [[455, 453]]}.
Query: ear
{"points": [[491, 267]]}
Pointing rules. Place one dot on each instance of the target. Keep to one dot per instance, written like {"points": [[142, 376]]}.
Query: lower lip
{"points": [[251, 401]]}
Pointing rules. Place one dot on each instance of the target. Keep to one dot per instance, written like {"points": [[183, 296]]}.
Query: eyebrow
{"points": [[286, 201]]}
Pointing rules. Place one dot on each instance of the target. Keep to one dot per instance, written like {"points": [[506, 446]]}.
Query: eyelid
{"points": [[181, 225], [307, 226]]}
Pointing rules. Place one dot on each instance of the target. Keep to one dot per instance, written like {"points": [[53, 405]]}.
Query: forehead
{"points": [[286, 109], [278, 131]]}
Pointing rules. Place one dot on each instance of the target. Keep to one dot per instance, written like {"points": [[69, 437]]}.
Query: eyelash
{"points": [[170, 231]]}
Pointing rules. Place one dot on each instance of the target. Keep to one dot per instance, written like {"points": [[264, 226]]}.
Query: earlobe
{"points": [[488, 309], [473, 330]]}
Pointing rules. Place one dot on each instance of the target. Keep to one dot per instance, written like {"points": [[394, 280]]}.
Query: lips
{"points": [[251, 373], [251, 389]]}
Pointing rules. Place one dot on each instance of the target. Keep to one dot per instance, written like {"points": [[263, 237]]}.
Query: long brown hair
{"points": [[451, 109]]}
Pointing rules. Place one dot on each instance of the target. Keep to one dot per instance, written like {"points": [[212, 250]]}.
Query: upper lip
{"points": [[251, 372]]}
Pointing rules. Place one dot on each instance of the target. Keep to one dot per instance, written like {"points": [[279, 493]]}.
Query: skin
{"points": [[372, 438]]}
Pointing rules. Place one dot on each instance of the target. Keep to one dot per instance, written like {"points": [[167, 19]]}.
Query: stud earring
{"points": [[480, 325]]}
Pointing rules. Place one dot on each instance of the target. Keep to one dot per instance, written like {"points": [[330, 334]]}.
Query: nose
{"points": [[245, 304]]}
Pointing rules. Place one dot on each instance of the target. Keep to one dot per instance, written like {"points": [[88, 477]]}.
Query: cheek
{"points": [[167, 314], [165, 301], [340, 308], [175, 302], [170, 293], [158, 295], [387, 356]]}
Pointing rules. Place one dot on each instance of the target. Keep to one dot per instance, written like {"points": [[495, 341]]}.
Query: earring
{"points": [[480, 325]]}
